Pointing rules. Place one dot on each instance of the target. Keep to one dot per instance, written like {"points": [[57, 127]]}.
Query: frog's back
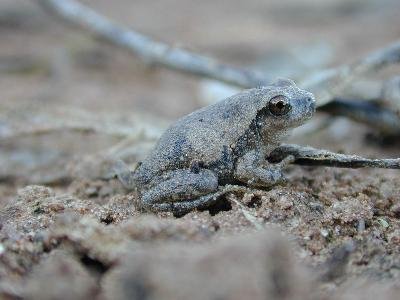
{"points": [[206, 135]]}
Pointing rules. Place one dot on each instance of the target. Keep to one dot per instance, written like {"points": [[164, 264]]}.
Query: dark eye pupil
{"points": [[279, 105]]}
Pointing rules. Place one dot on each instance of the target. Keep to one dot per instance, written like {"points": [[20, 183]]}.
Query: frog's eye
{"points": [[279, 105]]}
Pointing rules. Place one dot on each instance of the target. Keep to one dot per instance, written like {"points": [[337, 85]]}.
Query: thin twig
{"points": [[329, 84], [380, 118], [76, 128], [44, 130], [317, 157], [28, 120]]}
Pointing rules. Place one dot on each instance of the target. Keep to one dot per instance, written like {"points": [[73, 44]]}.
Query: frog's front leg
{"points": [[255, 171], [180, 190]]}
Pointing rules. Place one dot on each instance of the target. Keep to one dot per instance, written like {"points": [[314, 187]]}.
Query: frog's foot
{"points": [[173, 192], [262, 175], [182, 207]]}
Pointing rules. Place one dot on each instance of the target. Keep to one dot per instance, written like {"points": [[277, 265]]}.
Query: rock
{"points": [[60, 276], [257, 266], [34, 192]]}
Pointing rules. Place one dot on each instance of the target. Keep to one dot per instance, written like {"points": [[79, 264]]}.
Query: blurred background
{"points": [[65, 94]]}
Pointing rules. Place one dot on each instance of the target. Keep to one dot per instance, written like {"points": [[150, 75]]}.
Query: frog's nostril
{"points": [[310, 100]]}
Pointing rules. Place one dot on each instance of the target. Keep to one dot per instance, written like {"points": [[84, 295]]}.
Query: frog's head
{"points": [[286, 106]]}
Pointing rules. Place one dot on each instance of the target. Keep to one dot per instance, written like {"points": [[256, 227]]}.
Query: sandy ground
{"points": [[70, 232]]}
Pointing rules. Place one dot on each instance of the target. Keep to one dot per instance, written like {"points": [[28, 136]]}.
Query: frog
{"points": [[219, 148]]}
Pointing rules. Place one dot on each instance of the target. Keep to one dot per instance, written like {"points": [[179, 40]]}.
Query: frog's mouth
{"points": [[312, 107], [311, 111], [306, 110]]}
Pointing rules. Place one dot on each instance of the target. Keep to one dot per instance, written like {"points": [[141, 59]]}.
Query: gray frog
{"points": [[219, 145]]}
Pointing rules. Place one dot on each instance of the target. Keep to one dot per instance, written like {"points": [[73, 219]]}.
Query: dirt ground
{"points": [[69, 102]]}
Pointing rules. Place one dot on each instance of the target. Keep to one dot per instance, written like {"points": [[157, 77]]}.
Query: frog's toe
{"points": [[265, 178]]}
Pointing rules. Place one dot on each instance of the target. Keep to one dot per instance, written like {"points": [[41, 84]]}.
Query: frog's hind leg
{"points": [[178, 186], [182, 207]]}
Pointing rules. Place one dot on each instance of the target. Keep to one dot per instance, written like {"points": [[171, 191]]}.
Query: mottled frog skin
{"points": [[222, 144]]}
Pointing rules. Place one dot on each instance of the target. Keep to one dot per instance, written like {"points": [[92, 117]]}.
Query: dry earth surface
{"points": [[67, 231]]}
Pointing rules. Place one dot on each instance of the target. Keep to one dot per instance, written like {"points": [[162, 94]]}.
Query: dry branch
{"points": [[317, 157], [384, 120], [326, 85], [34, 120], [149, 50]]}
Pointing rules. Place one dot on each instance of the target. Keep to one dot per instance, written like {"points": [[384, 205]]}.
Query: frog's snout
{"points": [[310, 100], [311, 105]]}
